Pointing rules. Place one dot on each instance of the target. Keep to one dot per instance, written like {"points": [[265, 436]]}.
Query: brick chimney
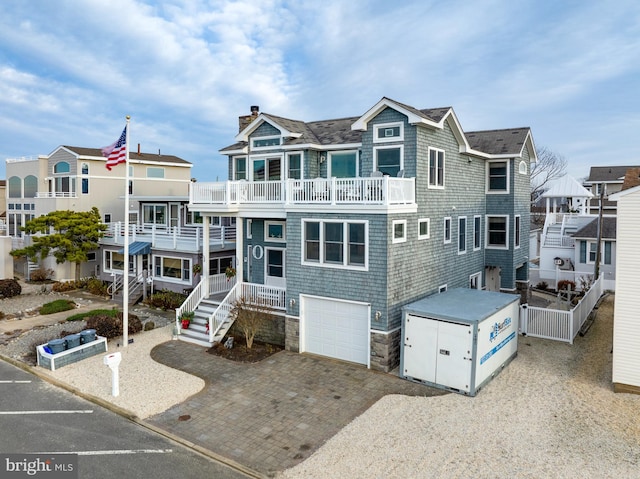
{"points": [[631, 178], [243, 121]]}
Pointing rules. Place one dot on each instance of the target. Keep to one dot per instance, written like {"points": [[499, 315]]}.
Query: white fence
{"points": [[556, 324]]}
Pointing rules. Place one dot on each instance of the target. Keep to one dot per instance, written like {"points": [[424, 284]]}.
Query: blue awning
{"points": [[137, 247]]}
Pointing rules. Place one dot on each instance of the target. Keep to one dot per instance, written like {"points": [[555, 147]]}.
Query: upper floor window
{"points": [[522, 167], [497, 232], [266, 169], [154, 214], [388, 132], [265, 141], [155, 172], [15, 187], [61, 167], [274, 231], [462, 234], [84, 168], [240, 168], [516, 232], [335, 243], [477, 232], [588, 252], [194, 218], [447, 230], [389, 159], [498, 177], [343, 164], [423, 228], [436, 168], [399, 231], [294, 166]]}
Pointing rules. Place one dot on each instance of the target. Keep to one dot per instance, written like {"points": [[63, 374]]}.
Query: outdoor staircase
{"points": [[197, 332]]}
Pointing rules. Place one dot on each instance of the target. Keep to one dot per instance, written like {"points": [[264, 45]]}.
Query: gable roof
{"points": [[615, 174], [133, 155], [508, 141], [590, 230]]}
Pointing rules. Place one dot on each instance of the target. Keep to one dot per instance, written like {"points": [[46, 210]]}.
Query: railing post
{"points": [[332, 191], [385, 189]]}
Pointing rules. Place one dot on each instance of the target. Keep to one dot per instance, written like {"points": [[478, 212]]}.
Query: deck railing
{"points": [[330, 191], [169, 237]]}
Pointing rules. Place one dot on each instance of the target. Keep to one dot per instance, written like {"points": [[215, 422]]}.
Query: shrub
{"points": [[63, 287], [57, 306], [250, 314], [564, 284], [40, 274], [149, 325], [542, 285], [111, 326], [9, 288], [97, 287], [95, 312], [166, 300]]}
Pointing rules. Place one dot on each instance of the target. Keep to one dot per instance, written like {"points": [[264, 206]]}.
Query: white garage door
{"points": [[335, 328]]}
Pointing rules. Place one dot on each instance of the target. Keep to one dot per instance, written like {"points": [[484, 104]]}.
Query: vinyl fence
{"points": [[556, 324]]}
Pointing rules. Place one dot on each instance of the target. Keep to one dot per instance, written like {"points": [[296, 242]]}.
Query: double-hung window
{"points": [[240, 168], [498, 177], [497, 232], [436, 168], [447, 230], [462, 234], [516, 232], [477, 232], [335, 243], [294, 165]]}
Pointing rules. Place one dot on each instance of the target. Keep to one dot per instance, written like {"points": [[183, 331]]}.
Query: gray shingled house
{"points": [[343, 222]]}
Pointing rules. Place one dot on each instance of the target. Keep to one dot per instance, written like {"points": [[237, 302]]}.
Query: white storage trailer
{"points": [[460, 339]]}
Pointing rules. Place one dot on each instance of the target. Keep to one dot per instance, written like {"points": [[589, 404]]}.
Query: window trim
{"points": [[403, 238], [478, 277], [264, 157], [507, 179], [268, 147], [447, 219], [487, 244], [517, 231], [388, 147], [436, 185], [382, 126], [267, 249], [287, 156], [477, 233], [321, 262], [338, 152], [428, 222], [234, 161], [105, 262], [169, 279], [462, 219], [272, 239], [442, 288], [249, 234], [522, 167]]}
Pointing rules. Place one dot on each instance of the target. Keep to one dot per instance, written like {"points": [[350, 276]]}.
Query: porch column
{"points": [[239, 250], [206, 221]]}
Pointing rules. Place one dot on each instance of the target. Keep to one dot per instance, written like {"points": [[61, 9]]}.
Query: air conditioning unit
{"points": [[564, 263]]}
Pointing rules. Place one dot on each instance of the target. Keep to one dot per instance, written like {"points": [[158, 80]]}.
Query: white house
{"points": [[626, 324]]}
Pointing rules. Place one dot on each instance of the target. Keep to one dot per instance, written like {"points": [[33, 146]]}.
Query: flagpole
{"points": [[125, 285]]}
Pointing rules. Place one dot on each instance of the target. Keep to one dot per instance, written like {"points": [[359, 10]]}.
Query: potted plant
{"points": [[230, 272], [186, 318], [197, 268]]}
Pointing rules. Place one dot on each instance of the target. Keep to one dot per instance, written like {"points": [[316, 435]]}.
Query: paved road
{"points": [[36, 417]]}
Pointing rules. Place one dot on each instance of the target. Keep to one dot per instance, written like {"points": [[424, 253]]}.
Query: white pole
{"points": [[125, 286]]}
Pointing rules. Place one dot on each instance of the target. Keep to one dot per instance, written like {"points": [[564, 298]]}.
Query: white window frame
{"points": [[341, 152], [487, 245], [267, 249], [183, 271], [477, 231], [522, 167], [593, 244], [270, 147], [477, 277], [507, 179], [388, 147], [249, 224], [403, 238], [234, 173], [264, 157], [289, 154], [273, 239], [436, 185], [387, 139], [345, 255], [442, 288], [110, 269], [428, 223], [517, 232], [444, 229], [462, 219]]}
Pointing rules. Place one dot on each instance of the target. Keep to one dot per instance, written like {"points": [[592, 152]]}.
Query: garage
{"points": [[335, 328]]}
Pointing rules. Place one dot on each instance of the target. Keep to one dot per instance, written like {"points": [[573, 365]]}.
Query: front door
{"points": [[274, 274]]}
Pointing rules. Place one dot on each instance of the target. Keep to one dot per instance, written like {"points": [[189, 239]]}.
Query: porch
{"points": [[212, 300]]}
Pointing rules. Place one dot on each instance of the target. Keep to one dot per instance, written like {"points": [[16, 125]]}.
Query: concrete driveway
{"points": [[271, 415]]}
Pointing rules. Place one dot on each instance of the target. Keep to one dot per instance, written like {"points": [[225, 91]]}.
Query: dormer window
{"points": [[385, 132], [265, 142]]}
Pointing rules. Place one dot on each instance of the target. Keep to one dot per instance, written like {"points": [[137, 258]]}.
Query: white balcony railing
{"points": [[56, 194], [329, 191]]}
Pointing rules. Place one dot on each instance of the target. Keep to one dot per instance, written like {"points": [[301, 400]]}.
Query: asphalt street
{"points": [[37, 417]]}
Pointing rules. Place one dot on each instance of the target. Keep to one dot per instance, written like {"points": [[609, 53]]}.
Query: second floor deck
{"points": [[235, 195]]}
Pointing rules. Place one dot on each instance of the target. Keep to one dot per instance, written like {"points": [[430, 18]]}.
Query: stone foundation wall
{"points": [[385, 350], [292, 334]]}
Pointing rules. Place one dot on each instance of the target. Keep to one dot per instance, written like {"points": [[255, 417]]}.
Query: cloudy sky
{"points": [[71, 70]]}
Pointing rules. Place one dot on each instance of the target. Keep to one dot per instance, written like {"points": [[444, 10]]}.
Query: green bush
{"points": [[63, 287], [166, 300], [57, 306], [149, 325], [111, 326], [40, 274], [9, 288], [97, 287], [95, 312]]}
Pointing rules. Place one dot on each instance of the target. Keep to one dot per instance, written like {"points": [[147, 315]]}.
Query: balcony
{"points": [[56, 194], [178, 238], [232, 195]]}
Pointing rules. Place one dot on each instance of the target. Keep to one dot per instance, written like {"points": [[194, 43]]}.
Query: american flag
{"points": [[116, 153]]}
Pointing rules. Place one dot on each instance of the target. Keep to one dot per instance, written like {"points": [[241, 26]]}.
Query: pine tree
{"points": [[67, 235]]}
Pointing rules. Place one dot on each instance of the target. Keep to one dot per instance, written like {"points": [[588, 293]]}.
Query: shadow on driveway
{"points": [[271, 415]]}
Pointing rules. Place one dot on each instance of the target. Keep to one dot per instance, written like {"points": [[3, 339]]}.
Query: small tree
{"points": [[68, 235], [550, 166], [250, 314]]}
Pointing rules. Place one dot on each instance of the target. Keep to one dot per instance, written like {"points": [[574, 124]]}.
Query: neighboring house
{"points": [[606, 180], [343, 222], [568, 243], [626, 325], [75, 178]]}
